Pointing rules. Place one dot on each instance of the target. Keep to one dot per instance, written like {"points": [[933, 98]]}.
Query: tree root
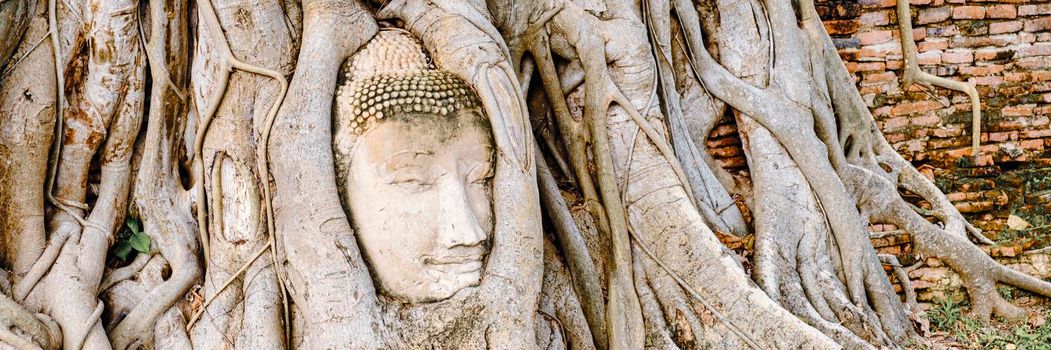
{"points": [[903, 278], [4, 73], [442, 32], [44, 262], [14, 20], [304, 176], [980, 273], [14, 315], [574, 136], [913, 74], [113, 277], [140, 319], [231, 279], [60, 107], [715, 203], [82, 336], [711, 308], [600, 93], [624, 314], [585, 277], [228, 63]]}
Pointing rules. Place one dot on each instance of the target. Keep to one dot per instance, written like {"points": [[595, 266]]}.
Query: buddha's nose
{"points": [[459, 225]]}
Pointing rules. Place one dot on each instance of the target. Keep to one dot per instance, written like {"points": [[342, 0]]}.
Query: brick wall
{"points": [[1004, 46]]}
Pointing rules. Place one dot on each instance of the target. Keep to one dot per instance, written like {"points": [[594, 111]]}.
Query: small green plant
{"points": [[1021, 337], [131, 239], [945, 314], [1006, 292]]}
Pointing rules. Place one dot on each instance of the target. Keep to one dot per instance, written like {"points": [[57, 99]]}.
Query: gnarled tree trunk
{"points": [[237, 167]]}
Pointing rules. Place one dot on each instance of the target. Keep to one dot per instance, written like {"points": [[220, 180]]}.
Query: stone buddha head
{"points": [[415, 154]]}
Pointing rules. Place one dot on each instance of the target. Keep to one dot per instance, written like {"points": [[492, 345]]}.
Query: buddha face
{"points": [[418, 191]]}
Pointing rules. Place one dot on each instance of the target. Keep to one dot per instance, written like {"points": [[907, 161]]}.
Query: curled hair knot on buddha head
{"points": [[392, 76], [431, 92]]}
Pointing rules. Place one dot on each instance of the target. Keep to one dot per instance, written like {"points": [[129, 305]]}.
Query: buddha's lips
{"points": [[452, 259]]}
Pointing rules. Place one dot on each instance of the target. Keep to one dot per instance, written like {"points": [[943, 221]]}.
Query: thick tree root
{"points": [[14, 315], [879, 199], [14, 20], [715, 203], [585, 277], [168, 222], [227, 64]]}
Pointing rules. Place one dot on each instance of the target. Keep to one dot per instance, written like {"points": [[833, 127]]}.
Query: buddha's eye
{"points": [[411, 178]]}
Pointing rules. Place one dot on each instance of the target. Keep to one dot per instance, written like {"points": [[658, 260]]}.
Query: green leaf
{"points": [[122, 250], [134, 224], [140, 241]]}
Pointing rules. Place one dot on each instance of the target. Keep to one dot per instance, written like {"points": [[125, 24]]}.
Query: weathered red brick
{"points": [[842, 27], [918, 33], [895, 123], [988, 80], [1034, 63], [724, 130], [1038, 24], [875, 18], [926, 120], [873, 88], [1035, 134], [915, 107], [878, 3], [982, 70], [871, 66], [1001, 11], [981, 41], [933, 15], [1005, 27], [935, 44], [958, 56], [1026, 37], [1017, 111], [876, 37], [1000, 136], [993, 54], [1015, 77], [1036, 49], [946, 31], [947, 143], [929, 58], [1033, 10], [974, 207], [962, 196], [870, 52], [725, 152], [968, 12], [881, 76], [1041, 120], [893, 137], [947, 131], [1035, 145]]}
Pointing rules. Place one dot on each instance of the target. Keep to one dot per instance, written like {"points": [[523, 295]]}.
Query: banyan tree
{"points": [[330, 174]]}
